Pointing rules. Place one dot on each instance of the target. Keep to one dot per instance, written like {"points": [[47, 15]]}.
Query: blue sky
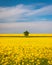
{"points": [[16, 16], [15, 2]]}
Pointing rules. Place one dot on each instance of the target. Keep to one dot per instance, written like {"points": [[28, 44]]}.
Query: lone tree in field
{"points": [[26, 33]]}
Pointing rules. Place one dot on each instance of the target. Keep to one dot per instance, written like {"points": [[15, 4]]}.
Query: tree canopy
{"points": [[26, 33]]}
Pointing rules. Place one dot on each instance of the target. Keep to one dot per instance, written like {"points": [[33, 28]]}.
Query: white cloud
{"points": [[47, 10], [32, 27], [12, 14], [9, 16]]}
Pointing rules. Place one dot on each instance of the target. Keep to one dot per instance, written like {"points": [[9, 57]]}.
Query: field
{"points": [[25, 50]]}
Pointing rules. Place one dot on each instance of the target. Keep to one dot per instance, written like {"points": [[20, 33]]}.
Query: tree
{"points": [[26, 33]]}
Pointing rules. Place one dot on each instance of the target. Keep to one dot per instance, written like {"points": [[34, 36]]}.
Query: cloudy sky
{"points": [[17, 16]]}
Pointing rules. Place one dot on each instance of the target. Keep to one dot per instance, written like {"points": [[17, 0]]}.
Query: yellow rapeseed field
{"points": [[25, 50]]}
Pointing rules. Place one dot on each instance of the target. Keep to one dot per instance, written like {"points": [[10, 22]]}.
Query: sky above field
{"points": [[17, 16]]}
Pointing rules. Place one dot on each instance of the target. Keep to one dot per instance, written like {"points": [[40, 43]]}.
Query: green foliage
{"points": [[26, 33], [44, 61]]}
